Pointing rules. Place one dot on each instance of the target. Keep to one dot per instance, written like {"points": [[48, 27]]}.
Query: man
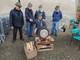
{"points": [[40, 23], [57, 16], [29, 19], [17, 21], [39, 12]]}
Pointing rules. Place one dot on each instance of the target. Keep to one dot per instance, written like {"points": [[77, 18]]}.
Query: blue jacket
{"points": [[40, 24], [57, 16], [39, 12], [16, 18], [29, 15]]}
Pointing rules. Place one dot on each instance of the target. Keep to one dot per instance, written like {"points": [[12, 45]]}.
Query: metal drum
{"points": [[43, 33]]}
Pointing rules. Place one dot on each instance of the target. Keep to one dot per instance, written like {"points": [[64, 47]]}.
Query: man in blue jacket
{"points": [[40, 23], [57, 16], [39, 12], [29, 19], [17, 21]]}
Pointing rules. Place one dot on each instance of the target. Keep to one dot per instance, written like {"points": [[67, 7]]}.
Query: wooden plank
{"points": [[30, 54], [46, 49]]}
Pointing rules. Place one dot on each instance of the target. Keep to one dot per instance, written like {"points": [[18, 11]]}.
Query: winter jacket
{"points": [[40, 24], [40, 12], [29, 15], [57, 16], [16, 18]]}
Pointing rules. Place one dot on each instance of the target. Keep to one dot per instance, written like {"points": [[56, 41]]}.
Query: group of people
{"points": [[39, 19]]}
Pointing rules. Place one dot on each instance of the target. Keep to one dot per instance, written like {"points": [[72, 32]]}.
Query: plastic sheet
{"points": [[4, 28]]}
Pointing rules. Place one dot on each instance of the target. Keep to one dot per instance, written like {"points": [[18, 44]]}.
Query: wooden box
{"points": [[30, 52]]}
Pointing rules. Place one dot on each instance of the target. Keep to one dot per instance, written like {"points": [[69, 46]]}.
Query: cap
{"points": [[29, 5], [18, 4]]}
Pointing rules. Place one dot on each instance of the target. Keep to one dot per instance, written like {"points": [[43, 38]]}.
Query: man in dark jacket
{"points": [[40, 23], [57, 16], [16, 21], [29, 19], [39, 12]]}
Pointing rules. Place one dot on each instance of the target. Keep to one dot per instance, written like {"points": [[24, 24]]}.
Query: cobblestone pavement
{"points": [[62, 50]]}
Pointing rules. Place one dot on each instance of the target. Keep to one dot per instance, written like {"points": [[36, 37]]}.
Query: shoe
{"points": [[13, 41], [28, 39], [22, 39], [51, 34], [55, 35]]}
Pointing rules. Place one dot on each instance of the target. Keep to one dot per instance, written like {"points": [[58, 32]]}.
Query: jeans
{"points": [[55, 28], [29, 28]]}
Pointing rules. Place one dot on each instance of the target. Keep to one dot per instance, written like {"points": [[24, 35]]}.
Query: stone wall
{"points": [[78, 10], [67, 6]]}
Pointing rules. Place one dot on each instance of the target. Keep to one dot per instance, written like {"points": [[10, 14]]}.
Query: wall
{"points": [[78, 10], [68, 7]]}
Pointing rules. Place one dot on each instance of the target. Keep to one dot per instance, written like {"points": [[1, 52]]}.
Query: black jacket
{"points": [[16, 18], [28, 14], [40, 12]]}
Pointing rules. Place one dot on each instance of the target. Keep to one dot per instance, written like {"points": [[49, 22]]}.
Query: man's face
{"points": [[40, 18], [57, 8], [40, 9], [18, 8], [30, 8]]}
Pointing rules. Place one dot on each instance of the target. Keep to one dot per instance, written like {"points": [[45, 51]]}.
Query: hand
{"points": [[43, 19], [31, 20], [35, 30], [11, 27]]}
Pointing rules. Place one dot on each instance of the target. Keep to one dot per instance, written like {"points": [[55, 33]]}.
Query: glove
{"points": [[43, 19]]}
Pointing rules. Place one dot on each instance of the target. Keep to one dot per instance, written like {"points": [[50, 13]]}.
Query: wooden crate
{"points": [[44, 45], [42, 48], [30, 54]]}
